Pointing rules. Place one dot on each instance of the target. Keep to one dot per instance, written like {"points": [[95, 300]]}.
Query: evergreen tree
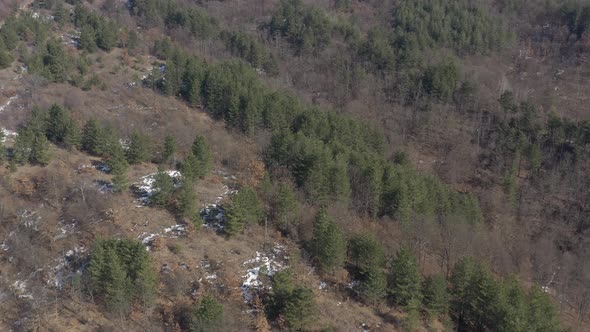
{"points": [[542, 314], [118, 164], [164, 189], [61, 128], [365, 252], [56, 61], [187, 203], [88, 39], [91, 137], [207, 316], [436, 297], [169, 149], [404, 279], [245, 208], [286, 209], [190, 168], [146, 283], [328, 245], [300, 311], [40, 153], [2, 147], [202, 152], [140, 148], [373, 285], [117, 289]]}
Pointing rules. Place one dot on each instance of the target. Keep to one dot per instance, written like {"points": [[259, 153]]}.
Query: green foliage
{"points": [[404, 284], [305, 28], [245, 208], [286, 209], [295, 304], [365, 253], [96, 30], [118, 164], [61, 128], [435, 296], [164, 186], [462, 25], [116, 265], [300, 311], [440, 81], [200, 149], [187, 203], [251, 50], [207, 316], [328, 245], [168, 149], [576, 15], [31, 144], [140, 148], [481, 302]]}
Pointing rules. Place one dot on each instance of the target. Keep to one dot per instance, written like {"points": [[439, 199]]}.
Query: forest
{"points": [[390, 165]]}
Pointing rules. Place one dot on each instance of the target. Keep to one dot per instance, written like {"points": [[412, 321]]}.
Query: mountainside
{"points": [[297, 165]]}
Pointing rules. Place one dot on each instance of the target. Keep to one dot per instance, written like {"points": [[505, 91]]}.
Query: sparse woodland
{"points": [[295, 165]]}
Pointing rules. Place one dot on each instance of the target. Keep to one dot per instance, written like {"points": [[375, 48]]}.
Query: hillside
{"points": [[296, 165]]}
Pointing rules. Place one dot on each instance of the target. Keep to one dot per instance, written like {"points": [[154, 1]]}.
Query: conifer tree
{"points": [[2, 147], [207, 316], [404, 279], [190, 168], [286, 209], [245, 208], [164, 189], [187, 203], [88, 39], [328, 244], [300, 311], [40, 153], [92, 137], [436, 296], [168, 149], [202, 152], [118, 165], [117, 291], [140, 148], [146, 282]]}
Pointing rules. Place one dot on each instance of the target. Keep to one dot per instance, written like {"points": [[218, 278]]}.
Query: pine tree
{"points": [[56, 61], [328, 244], [61, 128], [190, 168], [202, 152], [119, 165], [2, 147], [140, 148], [92, 137], [245, 208], [117, 291], [169, 149], [146, 283], [542, 314], [373, 285], [88, 39], [436, 296], [404, 279], [164, 189], [286, 209], [365, 252], [300, 311], [207, 316], [187, 203], [40, 153]]}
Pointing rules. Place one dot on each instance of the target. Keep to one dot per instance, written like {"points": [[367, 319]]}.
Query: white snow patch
{"points": [[20, 288], [176, 230], [9, 135], [7, 103], [264, 263], [323, 285], [146, 186], [30, 219]]}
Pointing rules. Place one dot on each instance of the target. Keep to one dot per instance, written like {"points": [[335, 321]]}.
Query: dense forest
{"points": [[390, 165]]}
